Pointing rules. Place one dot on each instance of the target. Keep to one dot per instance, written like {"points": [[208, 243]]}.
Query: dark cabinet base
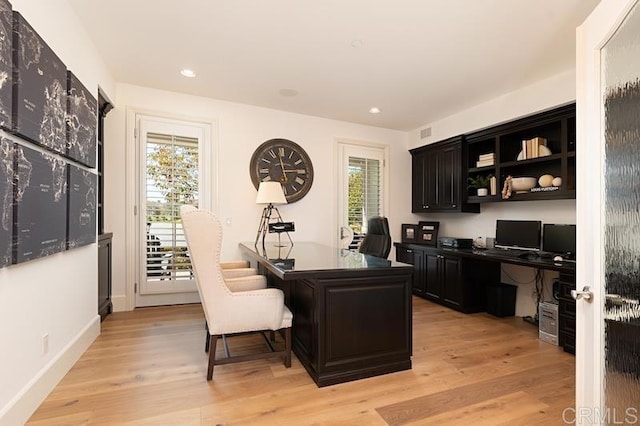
{"points": [[105, 307], [349, 328], [567, 314], [458, 282]]}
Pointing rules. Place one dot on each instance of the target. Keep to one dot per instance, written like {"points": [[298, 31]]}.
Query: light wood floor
{"points": [[148, 367]]}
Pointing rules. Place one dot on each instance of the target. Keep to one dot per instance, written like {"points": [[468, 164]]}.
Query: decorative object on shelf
{"points": [[270, 193], [409, 233], [523, 184], [506, 189], [493, 185], [557, 181], [481, 183], [545, 189], [283, 161], [545, 181], [428, 233]]}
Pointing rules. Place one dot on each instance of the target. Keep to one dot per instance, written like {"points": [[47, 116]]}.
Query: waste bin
{"points": [[501, 299]]}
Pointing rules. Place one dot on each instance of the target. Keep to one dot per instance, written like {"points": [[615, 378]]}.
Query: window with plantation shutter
{"points": [[171, 180], [362, 182]]}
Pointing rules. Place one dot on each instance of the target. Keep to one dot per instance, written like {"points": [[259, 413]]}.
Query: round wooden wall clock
{"points": [[283, 161]]}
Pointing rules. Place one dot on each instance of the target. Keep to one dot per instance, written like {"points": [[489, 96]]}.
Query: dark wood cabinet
{"points": [[105, 306], [437, 178], [567, 313], [558, 129], [452, 280], [417, 259]]}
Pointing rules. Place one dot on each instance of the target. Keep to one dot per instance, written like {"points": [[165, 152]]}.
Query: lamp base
{"points": [[267, 213]]}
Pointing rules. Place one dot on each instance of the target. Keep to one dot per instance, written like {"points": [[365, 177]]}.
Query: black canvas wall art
{"points": [[39, 89], [40, 213], [6, 201], [81, 229], [82, 120], [6, 63]]}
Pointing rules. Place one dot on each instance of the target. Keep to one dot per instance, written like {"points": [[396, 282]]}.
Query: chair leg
{"points": [[207, 339], [212, 357], [287, 347]]}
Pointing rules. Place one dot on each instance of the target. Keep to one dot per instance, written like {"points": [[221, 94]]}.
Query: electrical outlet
{"points": [[45, 344]]}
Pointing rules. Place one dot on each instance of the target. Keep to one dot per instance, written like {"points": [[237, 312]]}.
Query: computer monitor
{"points": [[518, 234], [559, 239]]}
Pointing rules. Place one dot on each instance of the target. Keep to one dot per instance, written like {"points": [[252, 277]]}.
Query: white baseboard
{"points": [[119, 303], [25, 403]]}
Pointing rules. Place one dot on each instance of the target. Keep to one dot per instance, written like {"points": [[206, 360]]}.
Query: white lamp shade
{"points": [[270, 193]]}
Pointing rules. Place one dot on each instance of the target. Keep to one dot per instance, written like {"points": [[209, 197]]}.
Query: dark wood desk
{"points": [[351, 312]]}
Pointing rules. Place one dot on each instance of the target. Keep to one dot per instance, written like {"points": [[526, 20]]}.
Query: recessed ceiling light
{"points": [[288, 93], [375, 110], [187, 72]]}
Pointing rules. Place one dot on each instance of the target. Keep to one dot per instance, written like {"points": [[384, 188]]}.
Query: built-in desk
{"points": [[351, 312], [458, 278]]}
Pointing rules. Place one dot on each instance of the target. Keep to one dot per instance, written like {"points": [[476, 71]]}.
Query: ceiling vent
{"points": [[425, 133]]}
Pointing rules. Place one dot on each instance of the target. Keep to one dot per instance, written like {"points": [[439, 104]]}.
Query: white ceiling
{"points": [[418, 60]]}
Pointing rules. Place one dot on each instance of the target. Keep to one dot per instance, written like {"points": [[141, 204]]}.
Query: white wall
{"points": [[238, 130], [544, 95], [56, 295]]}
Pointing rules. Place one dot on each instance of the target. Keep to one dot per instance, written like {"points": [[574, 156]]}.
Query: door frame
{"points": [[339, 145], [131, 164], [592, 35]]}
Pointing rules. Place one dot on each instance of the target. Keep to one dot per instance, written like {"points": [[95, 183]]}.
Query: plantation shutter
{"points": [[365, 199], [171, 180]]}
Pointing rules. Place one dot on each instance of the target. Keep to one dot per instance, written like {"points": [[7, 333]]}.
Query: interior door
{"points": [[608, 196], [172, 172]]}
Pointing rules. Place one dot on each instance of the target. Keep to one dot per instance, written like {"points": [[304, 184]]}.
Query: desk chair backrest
{"points": [[377, 241]]}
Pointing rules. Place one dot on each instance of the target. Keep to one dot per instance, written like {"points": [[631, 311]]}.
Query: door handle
{"points": [[585, 294]]}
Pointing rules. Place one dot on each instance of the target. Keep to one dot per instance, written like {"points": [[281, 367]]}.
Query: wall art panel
{"points": [[6, 201], [39, 89], [6, 63], [82, 120], [40, 213], [81, 229]]}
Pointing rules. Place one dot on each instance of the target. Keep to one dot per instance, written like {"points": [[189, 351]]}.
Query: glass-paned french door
{"points": [[362, 184], [171, 164]]}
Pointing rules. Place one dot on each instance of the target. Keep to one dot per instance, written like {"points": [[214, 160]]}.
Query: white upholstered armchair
{"points": [[231, 305], [233, 269]]}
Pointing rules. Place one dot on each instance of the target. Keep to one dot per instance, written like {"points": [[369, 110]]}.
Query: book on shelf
{"points": [[531, 147], [484, 163], [483, 157]]}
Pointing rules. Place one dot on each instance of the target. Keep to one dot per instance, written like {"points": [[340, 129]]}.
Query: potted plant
{"points": [[481, 183]]}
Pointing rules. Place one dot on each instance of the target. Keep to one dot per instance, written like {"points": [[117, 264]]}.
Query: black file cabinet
{"points": [[567, 313]]}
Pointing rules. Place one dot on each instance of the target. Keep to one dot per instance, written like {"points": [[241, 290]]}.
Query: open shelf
{"points": [[556, 127]]}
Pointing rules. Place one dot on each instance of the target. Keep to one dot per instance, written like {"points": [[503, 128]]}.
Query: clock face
{"points": [[283, 161]]}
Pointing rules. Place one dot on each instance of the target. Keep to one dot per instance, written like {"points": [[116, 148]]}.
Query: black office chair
{"points": [[377, 241]]}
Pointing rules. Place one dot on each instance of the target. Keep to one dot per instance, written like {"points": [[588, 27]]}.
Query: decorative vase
{"points": [[483, 192]]}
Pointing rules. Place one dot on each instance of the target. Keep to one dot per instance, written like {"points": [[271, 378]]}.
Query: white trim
{"points": [[592, 35], [131, 154], [29, 398], [339, 146]]}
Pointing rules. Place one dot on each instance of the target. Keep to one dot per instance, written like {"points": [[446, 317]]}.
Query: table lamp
{"points": [[269, 193]]}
